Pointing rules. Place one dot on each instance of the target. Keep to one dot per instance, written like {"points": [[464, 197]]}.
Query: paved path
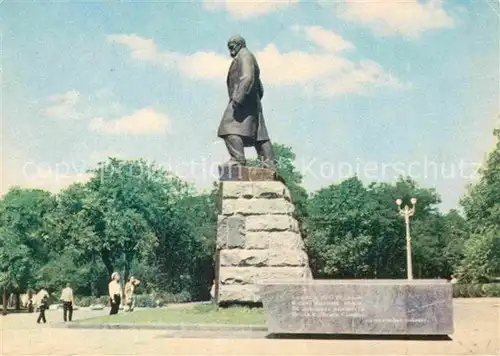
{"points": [[476, 323]]}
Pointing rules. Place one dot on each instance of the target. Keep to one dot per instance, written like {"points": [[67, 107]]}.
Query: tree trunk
{"points": [[126, 271], [4, 301], [18, 301], [93, 289], [128, 261], [107, 262]]}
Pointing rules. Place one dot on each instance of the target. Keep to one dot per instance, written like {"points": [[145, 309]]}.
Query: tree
{"points": [[87, 277], [389, 254], [132, 216], [22, 239], [482, 210], [74, 243], [481, 258], [285, 159], [200, 214], [337, 217], [125, 198], [457, 234], [355, 231], [480, 204]]}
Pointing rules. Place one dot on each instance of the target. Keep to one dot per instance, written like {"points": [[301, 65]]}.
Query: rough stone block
{"points": [[248, 190], [245, 294], [256, 206], [241, 173], [271, 223], [236, 231], [221, 232], [274, 240], [230, 231], [257, 240], [417, 307], [252, 275], [287, 258], [236, 257], [285, 240]]}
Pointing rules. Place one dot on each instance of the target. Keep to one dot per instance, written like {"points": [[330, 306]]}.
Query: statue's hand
{"points": [[235, 104]]}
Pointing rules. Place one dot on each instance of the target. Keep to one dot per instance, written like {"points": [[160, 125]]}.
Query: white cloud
{"points": [[327, 40], [326, 71], [63, 106], [144, 121], [246, 9], [52, 179], [143, 49], [205, 65], [395, 17], [297, 67], [367, 74], [18, 170], [102, 104]]}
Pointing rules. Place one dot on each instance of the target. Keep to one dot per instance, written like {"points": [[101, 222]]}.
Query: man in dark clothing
{"points": [[68, 302], [44, 305], [115, 293], [242, 123]]}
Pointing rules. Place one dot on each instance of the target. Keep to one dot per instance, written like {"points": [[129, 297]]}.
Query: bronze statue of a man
{"points": [[242, 124]]}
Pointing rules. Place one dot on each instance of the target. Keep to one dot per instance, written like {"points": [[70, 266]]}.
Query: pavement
{"points": [[477, 332]]}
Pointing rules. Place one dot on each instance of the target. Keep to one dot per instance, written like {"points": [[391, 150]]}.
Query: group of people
{"points": [[116, 293], [67, 300], [115, 297]]}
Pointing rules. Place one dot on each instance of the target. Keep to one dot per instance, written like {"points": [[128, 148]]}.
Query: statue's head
{"points": [[235, 44]]}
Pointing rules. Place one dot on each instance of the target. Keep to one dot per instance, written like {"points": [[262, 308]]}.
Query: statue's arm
{"points": [[246, 79], [261, 89]]}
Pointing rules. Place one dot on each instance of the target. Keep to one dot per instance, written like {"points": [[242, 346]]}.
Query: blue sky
{"points": [[373, 88]]}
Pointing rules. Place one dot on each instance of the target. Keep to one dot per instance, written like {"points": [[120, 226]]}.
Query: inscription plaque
{"points": [[422, 307]]}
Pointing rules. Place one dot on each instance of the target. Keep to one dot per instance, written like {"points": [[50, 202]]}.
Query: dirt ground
{"points": [[476, 333]]}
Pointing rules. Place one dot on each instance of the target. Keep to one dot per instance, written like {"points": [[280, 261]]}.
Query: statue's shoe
{"points": [[268, 165]]}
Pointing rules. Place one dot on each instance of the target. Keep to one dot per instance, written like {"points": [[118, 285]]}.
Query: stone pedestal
{"points": [[246, 174], [257, 239], [374, 307]]}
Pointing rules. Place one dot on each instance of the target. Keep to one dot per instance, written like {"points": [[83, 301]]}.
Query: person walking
{"points": [[115, 293], [129, 293], [212, 293], [44, 305], [68, 301]]}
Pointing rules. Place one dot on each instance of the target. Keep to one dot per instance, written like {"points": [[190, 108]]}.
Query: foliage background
{"points": [[135, 218]]}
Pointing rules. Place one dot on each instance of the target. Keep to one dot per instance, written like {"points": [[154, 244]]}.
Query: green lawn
{"points": [[198, 314]]}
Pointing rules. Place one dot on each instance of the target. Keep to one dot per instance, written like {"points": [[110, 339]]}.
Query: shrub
{"points": [[141, 301], [83, 301], [169, 298], [161, 299], [476, 290], [88, 301], [459, 290], [103, 299], [54, 298], [481, 258], [145, 301], [491, 289]]}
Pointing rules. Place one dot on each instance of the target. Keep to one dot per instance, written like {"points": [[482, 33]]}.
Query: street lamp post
{"points": [[406, 212]]}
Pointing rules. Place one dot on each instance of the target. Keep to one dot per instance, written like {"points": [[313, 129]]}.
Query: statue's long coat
{"points": [[244, 87]]}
